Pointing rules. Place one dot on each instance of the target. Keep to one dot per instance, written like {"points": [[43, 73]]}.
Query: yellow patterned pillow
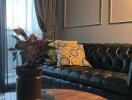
{"points": [[70, 53]]}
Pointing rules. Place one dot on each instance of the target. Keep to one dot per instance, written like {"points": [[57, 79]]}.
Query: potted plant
{"points": [[33, 51]]}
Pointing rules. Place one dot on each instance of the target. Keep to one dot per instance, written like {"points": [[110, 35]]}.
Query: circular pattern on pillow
{"points": [[64, 52], [62, 44], [79, 49], [75, 61], [74, 52], [64, 61]]}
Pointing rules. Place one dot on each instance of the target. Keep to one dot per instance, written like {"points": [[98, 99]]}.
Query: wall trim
{"points": [[110, 16], [76, 26]]}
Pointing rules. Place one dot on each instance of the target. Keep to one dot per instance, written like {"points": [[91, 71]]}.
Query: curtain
{"points": [[20, 13], [46, 15], [2, 44]]}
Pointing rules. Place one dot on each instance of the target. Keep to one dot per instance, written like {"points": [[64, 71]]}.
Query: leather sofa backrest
{"points": [[114, 57]]}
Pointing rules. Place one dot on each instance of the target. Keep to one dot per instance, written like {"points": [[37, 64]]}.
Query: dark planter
{"points": [[28, 83]]}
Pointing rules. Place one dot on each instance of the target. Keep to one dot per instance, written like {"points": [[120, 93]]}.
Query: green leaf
{"points": [[12, 49], [21, 52], [14, 55], [16, 38]]}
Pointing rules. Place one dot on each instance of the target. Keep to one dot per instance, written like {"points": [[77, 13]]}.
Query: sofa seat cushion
{"points": [[108, 80]]}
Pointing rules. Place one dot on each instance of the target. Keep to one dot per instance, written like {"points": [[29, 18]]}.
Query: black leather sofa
{"points": [[110, 75]]}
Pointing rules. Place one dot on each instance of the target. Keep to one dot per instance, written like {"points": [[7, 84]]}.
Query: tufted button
{"points": [[117, 51], [128, 52], [107, 50]]}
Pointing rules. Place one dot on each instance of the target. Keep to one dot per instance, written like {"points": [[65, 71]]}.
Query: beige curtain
{"points": [[46, 14]]}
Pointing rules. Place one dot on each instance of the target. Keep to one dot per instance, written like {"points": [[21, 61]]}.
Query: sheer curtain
{"points": [[20, 13]]}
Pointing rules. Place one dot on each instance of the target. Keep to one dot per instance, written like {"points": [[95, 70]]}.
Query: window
{"points": [[20, 13]]}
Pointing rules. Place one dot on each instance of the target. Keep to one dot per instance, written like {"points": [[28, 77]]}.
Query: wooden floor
{"points": [[59, 94]]}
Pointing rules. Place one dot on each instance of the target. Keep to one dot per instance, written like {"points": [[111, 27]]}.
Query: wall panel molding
{"points": [[76, 15], [120, 11]]}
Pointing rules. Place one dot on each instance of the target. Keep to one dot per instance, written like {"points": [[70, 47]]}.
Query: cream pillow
{"points": [[51, 54], [70, 53]]}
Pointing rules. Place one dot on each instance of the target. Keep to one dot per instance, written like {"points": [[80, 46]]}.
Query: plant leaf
{"points": [[16, 38], [12, 49], [21, 52], [14, 55], [21, 32]]}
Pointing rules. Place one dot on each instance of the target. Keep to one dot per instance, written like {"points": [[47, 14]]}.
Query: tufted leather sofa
{"points": [[110, 73]]}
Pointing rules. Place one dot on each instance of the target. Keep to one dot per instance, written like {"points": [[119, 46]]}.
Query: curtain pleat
{"points": [[46, 14]]}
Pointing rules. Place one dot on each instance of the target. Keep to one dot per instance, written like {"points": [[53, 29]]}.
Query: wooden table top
{"points": [[67, 94], [59, 94]]}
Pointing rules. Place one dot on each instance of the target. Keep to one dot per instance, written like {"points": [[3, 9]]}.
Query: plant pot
{"points": [[28, 84]]}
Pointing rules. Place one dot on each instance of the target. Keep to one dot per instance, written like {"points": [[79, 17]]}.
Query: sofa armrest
{"points": [[130, 77]]}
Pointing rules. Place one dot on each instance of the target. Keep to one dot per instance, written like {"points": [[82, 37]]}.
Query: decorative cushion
{"points": [[52, 54], [70, 53]]}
